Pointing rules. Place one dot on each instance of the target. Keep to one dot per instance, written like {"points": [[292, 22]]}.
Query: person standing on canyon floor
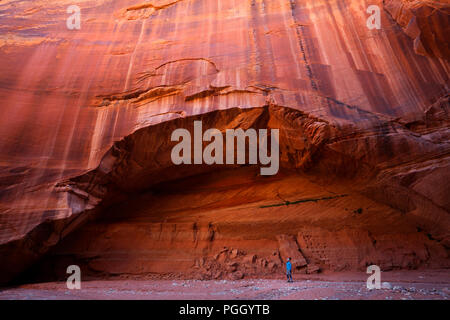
{"points": [[289, 270]]}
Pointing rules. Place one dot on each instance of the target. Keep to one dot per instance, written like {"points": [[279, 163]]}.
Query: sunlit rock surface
{"points": [[361, 115]]}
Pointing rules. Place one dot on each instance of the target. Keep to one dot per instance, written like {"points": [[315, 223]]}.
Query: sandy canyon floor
{"points": [[396, 285]]}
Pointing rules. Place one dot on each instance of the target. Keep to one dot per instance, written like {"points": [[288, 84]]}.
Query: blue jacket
{"points": [[288, 266]]}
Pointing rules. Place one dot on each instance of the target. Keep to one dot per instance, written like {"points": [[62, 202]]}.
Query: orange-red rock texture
{"points": [[85, 172], [427, 22]]}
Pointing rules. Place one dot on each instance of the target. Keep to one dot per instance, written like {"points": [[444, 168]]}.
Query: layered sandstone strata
{"points": [[427, 22], [87, 118]]}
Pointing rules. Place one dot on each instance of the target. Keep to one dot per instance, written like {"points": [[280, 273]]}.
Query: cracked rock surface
{"points": [[85, 171]]}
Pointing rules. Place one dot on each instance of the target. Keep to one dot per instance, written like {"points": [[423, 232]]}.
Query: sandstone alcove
{"points": [[141, 216]]}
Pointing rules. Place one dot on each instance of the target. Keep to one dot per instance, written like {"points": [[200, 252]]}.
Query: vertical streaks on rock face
{"points": [[367, 99], [289, 249]]}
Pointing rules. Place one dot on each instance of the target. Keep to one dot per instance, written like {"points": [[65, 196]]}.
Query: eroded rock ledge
{"points": [[146, 217], [364, 119], [426, 22]]}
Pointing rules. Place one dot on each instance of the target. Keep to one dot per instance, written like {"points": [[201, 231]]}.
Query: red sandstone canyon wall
{"points": [[85, 172]]}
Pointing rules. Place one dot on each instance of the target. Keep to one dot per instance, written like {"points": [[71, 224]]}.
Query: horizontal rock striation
{"points": [[86, 175]]}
